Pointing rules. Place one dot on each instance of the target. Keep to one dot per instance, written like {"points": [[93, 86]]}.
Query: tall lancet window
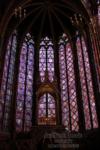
{"points": [[25, 84], [7, 82], [86, 84], [67, 83], [98, 12], [46, 110], [46, 59]]}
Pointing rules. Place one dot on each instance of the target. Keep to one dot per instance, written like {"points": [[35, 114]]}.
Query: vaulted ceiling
{"points": [[52, 17]]}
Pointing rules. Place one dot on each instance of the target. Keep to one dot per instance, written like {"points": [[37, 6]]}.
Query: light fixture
{"points": [[20, 12], [77, 19]]}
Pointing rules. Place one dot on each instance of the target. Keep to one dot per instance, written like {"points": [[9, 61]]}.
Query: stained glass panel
{"points": [[67, 84], [72, 88], [64, 87], [7, 82], [46, 59], [99, 14], [42, 62], [25, 86], [86, 85], [46, 110], [50, 61], [90, 85]]}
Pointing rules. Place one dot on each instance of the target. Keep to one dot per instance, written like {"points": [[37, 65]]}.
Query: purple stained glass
{"points": [[42, 62], [50, 61], [7, 81], [46, 110], [86, 85], [99, 15], [46, 59], [63, 81], [67, 84], [72, 88], [83, 85], [25, 86], [90, 86]]}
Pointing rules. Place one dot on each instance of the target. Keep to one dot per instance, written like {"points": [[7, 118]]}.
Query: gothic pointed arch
{"points": [[7, 82], [46, 59], [88, 97], [67, 83], [47, 110], [25, 85]]}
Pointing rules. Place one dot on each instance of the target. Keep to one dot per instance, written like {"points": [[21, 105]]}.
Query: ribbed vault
{"points": [[43, 17]]}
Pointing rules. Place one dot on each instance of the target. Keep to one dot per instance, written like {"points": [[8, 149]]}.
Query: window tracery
{"points": [[86, 84], [25, 86], [47, 103], [7, 81], [46, 59], [46, 110], [67, 83]]}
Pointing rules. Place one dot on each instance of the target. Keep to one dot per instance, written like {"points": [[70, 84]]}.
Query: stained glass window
{"points": [[46, 59], [99, 14], [7, 82], [86, 85], [25, 85], [46, 110], [67, 83]]}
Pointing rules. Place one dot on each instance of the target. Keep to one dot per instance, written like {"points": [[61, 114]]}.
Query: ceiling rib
{"points": [[42, 23], [51, 25], [59, 20], [33, 22]]}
